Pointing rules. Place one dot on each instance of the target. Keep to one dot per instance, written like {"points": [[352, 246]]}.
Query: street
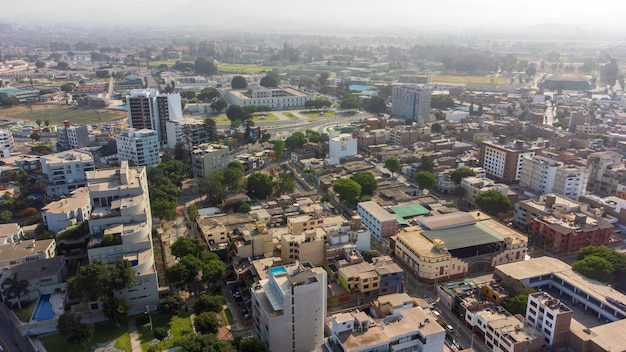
{"points": [[10, 338]]}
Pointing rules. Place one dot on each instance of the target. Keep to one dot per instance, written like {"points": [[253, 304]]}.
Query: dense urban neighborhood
{"points": [[279, 192]]}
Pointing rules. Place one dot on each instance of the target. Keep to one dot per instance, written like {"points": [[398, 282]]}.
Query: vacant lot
{"points": [[470, 81], [235, 68], [59, 113]]}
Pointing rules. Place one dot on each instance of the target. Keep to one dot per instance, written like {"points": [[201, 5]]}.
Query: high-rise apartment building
{"points": [[139, 146], [502, 161], [289, 308], [72, 137], [66, 171], [208, 158], [411, 102], [549, 316], [545, 175], [188, 131], [147, 109]]}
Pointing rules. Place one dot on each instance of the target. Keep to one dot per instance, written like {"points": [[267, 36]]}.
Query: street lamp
{"points": [[149, 315], [472, 342]]}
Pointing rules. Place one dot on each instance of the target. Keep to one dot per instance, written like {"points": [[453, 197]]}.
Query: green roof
{"points": [[400, 219], [410, 210], [9, 90], [464, 236]]}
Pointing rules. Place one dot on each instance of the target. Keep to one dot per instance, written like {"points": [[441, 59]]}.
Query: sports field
{"points": [[470, 81], [56, 114]]}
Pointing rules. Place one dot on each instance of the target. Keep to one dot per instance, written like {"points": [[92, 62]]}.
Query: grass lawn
{"points": [[103, 333], [268, 117], [470, 81], [227, 316], [59, 113], [26, 312], [236, 68], [317, 114], [290, 115], [221, 119], [169, 63], [180, 327]]}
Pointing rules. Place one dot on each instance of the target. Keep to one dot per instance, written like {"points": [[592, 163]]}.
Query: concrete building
{"points": [[147, 109], [404, 135], [567, 233], [43, 277], [526, 211], [252, 240], [474, 186], [141, 147], [545, 175], [66, 171], [289, 308], [378, 220], [454, 245], [120, 227], [342, 146], [14, 249], [73, 137], [6, 143], [63, 213], [305, 246], [189, 131], [502, 161], [549, 316], [407, 328], [598, 164], [277, 98], [208, 158], [411, 102]]}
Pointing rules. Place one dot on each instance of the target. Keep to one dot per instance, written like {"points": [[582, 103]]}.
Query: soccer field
{"points": [[57, 114]]}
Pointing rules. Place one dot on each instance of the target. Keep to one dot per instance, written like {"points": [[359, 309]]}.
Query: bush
{"points": [[160, 333], [26, 212]]}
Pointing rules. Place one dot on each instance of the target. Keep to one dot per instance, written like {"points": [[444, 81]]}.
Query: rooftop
{"points": [[410, 210], [376, 210]]}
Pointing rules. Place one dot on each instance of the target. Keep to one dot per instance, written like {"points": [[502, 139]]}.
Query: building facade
{"points": [[342, 146], [277, 98], [66, 171], [502, 161], [141, 147], [189, 131], [549, 316], [411, 102], [208, 158], [7, 144], [147, 109], [545, 175], [61, 214], [378, 220], [567, 233], [289, 308], [72, 137]]}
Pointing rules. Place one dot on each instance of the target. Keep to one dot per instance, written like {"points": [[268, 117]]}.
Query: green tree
{"points": [[219, 105], [313, 136], [206, 323], [163, 209], [62, 65], [284, 183], [516, 304], [192, 212], [204, 343], [188, 94], [493, 202], [99, 279], [279, 148], [350, 102], [376, 105], [205, 67], [40, 64], [457, 175], [115, 309], [5, 216], [235, 114], [35, 136], [295, 141], [208, 94], [15, 288], [171, 305], [426, 180], [347, 190], [211, 186], [367, 181], [238, 82], [323, 78], [185, 246], [213, 269], [269, 80], [252, 344], [435, 127], [69, 325], [617, 259], [210, 128], [260, 185], [441, 102], [595, 267], [185, 272], [392, 164], [206, 303], [427, 163]]}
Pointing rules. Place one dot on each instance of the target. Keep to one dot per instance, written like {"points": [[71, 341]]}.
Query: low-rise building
{"points": [[550, 316], [277, 98], [378, 220], [60, 214], [567, 233], [208, 158], [66, 171], [526, 211], [342, 146]]}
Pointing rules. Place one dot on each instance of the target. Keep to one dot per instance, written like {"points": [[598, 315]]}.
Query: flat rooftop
{"points": [[377, 211], [410, 210]]}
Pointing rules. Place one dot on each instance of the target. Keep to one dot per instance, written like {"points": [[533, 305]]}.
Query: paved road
{"points": [[10, 338]]}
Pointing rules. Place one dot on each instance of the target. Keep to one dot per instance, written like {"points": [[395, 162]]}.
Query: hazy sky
{"points": [[440, 15]]}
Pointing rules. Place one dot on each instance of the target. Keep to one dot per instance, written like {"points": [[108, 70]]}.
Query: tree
{"points": [[260, 185], [213, 269], [441, 102], [284, 183], [459, 192], [188, 94], [192, 212], [183, 273], [205, 342], [617, 259], [323, 78], [206, 303], [210, 129], [367, 181], [427, 163], [350, 102], [115, 309], [235, 114], [185, 246], [376, 105], [211, 186], [457, 175], [208, 94], [269, 80], [493, 202], [595, 267], [426, 180], [219, 105], [252, 344], [15, 287], [516, 304], [233, 176], [313, 136], [171, 305], [392, 164], [206, 323], [68, 87], [279, 148], [69, 325], [347, 190], [238, 82], [5, 216], [62, 65], [435, 127], [163, 208], [205, 67], [98, 279], [295, 141], [40, 64]]}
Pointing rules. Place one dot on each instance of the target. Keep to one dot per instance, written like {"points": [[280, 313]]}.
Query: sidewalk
{"points": [[134, 335]]}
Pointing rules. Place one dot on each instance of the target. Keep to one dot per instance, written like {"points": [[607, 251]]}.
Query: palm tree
{"points": [[15, 288]]}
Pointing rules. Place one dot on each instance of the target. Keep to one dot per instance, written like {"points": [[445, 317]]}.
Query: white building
{"points": [[147, 109], [454, 115], [72, 137], [66, 171], [545, 176], [549, 316], [411, 102], [208, 158], [59, 215], [289, 308], [189, 131], [121, 228], [139, 146], [277, 98], [6, 143], [343, 146]]}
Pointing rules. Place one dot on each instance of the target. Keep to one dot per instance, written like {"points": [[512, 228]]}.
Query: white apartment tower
{"points": [[66, 171], [289, 308], [6, 143], [549, 316], [411, 102], [121, 228], [139, 146], [545, 176], [147, 109]]}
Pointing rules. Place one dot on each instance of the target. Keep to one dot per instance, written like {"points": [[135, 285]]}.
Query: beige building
{"points": [[298, 224], [361, 278], [63, 213], [66, 171], [15, 250], [502, 161], [306, 246], [252, 240], [209, 158]]}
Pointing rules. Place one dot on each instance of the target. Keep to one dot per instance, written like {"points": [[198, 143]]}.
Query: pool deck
{"points": [[57, 300]]}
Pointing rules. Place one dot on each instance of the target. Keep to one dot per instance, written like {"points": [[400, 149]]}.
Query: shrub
{"points": [[160, 333]]}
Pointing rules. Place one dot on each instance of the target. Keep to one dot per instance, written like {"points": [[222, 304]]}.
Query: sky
{"points": [[355, 15]]}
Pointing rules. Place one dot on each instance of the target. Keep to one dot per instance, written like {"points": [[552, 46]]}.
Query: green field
{"points": [[268, 117], [180, 326], [169, 63], [236, 68], [317, 114], [103, 333], [470, 81], [290, 115], [58, 114]]}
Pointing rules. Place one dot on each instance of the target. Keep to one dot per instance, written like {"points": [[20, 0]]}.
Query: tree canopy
{"points": [[98, 279], [426, 180], [367, 181], [457, 175], [204, 343], [269, 80], [493, 202], [69, 325], [595, 267], [203, 66], [295, 141], [376, 105], [516, 304], [347, 190], [260, 185], [392, 164], [235, 114], [239, 82], [206, 323], [615, 258]]}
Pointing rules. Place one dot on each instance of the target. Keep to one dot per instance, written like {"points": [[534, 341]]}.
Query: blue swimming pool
{"points": [[278, 270], [43, 311]]}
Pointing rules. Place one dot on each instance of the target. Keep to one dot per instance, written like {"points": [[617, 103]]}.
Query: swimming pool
{"points": [[278, 270], [43, 311]]}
